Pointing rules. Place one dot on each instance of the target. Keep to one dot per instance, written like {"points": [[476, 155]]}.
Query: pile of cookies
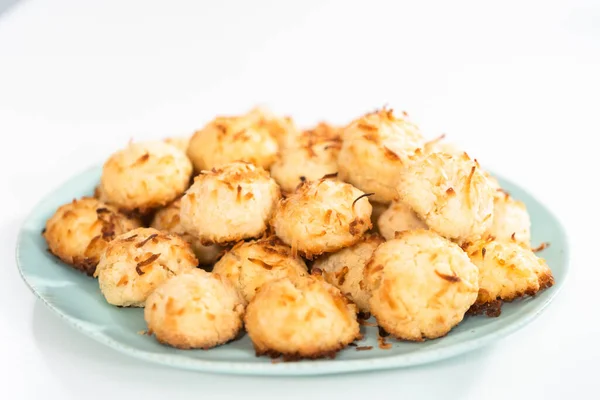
{"points": [[254, 224]]}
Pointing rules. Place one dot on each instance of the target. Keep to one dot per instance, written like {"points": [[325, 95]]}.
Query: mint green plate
{"points": [[77, 299]]}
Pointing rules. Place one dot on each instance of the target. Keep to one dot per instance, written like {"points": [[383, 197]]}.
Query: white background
{"points": [[517, 83]]}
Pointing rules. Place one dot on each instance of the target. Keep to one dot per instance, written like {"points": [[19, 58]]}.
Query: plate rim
{"points": [[314, 367]]}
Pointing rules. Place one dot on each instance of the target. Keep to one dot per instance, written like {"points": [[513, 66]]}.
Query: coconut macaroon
{"points": [[167, 219], [421, 285], [507, 270], [398, 217], [376, 146], [145, 176], [79, 231], [229, 204], [228, 139], [312, 156], [511, 220], [249, 265], [181, 142], [300, 318], [439, 145], [195, 309], [282, 129], [135, 263], [322, 217], [345, 269], [492, 181], [451, 195]]}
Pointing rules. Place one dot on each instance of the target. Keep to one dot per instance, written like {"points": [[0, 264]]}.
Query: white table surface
{"points": [[517, 83]]}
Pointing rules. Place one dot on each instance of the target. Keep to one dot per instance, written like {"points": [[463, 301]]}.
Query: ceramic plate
{"points": [[77, 299]]}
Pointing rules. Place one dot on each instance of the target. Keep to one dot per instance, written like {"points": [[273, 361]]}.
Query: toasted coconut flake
{"points": [[542, 246], [143, 242], [467, 187], [330, 176], [360, 197], [147, 261], [261, 263], [449, 278]]}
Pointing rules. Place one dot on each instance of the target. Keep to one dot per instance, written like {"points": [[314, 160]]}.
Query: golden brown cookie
{"points": [[145, 176], [300, 318], [507, 270], [311, 156], [345, 269], [195, 309], [79, 231], [322, 217], [135, 263], [249, 265], [168, 220], [229, 204], [421, 285], [375, 147], [451, 195]]}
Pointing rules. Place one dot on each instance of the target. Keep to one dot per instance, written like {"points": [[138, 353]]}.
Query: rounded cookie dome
{"points": [[135, 263], [511, 220], [228, 139], [345, 269], [322, 216], [144, 176], [421, 285], [168, 220], [311, 156], [181, 142], [229, 204], [451, 195], [375, 147], [249, 265], [300, 318], [282, 129], [195, 309], [507, 270], [79, 231], [438, 145]]}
